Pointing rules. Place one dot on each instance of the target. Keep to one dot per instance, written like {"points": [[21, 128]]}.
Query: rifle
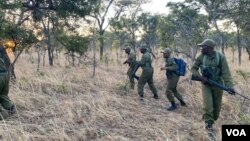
{"points": [[221, 86], [134, 71]]}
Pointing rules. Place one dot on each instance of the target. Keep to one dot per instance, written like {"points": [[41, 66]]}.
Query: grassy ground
{"points": [[63, 103]]}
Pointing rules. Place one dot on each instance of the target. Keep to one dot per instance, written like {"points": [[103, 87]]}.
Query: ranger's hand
{"points": [[231, 91], [203, 79], [163, 68]]}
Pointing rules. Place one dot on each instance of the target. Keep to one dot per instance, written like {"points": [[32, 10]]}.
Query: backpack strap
{"points": [[217, 57], [204, 60]]}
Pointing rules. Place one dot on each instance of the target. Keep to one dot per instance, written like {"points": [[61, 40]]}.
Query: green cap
{"points": [[143, 46], [208, 42], [166, 50], [127, 48]]}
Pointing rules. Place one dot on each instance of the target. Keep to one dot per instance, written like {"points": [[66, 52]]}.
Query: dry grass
{"points": [[66, 104]]}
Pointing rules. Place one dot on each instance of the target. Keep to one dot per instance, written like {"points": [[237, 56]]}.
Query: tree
{"points": [[101, 13], [74, 44], [128, 23], [149, 25], [50, 12], [14, 35], [239, 15], [189, 27], [216, 10]]}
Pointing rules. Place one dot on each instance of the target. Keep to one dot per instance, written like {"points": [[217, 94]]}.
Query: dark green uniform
{"points": [[173, 79], [147, 75], [4, 80], [132, 65], [217, 66]]}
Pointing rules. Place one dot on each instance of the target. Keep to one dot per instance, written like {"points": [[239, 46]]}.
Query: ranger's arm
{"points": [[173, 66], [196, 66], [225, 73]]}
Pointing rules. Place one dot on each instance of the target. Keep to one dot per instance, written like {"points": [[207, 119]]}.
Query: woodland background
{"points": [[68, 81]]}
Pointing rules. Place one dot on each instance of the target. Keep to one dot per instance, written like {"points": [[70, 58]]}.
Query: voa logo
{"points": [[236, 132]]}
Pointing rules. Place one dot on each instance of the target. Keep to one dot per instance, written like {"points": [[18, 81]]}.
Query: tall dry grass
{"points": [[65, 103]]}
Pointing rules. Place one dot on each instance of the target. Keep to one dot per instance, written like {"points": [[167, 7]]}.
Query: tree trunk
{"points": [[46, 31], [38, 58], [248, 52], [44, 55], [73, 58], [238, 44], [221, 36], [94, 54], [233, 53], [101, 44]]}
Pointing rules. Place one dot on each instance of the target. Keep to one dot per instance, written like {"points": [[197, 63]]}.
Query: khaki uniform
{"points": [[147, 75], [220, 72]]}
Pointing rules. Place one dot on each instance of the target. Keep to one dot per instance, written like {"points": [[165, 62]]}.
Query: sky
{"points": [[158, 6]]}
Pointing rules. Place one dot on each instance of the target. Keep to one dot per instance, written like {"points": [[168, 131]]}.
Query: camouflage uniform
{"points": [[173, 79], [4, 81], [132, 65], [147, 74], [220, 72]]}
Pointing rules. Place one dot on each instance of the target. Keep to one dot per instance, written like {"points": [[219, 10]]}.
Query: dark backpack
{"points": [[181, 71]]}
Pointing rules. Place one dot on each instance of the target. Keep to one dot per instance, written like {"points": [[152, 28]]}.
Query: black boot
{"points": [[209, 125], [183, 103], [172, 107], [12, 110], [156, 96], [141, 98], [210, 131]]}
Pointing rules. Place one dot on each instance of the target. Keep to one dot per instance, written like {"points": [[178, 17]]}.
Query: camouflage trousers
{"points": [[171, 90], [4, 90], [212, 100], [146, 77]]}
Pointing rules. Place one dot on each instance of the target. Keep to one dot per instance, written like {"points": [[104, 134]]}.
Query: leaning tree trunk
{"points": [[12, 65]]}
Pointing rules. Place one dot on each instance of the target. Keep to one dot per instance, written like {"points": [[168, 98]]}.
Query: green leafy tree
{"points": [[186, 26], [74, 44], [128, 23], [149, 25]]}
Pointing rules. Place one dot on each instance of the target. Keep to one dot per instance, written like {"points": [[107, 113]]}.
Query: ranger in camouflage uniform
{"points": [[147, 73], [213, 65], [4, 81], [131, 61], [173, 78]]}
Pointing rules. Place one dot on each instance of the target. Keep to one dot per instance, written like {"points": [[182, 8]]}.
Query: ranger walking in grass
{"points": [[213, 65], [4, 81], [131, 61], [173, 78], [147, 73]]}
